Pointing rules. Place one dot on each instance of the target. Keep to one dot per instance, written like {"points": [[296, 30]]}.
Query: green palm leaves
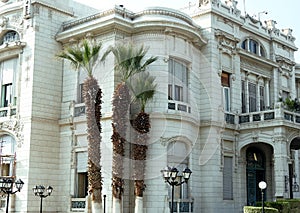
{"points": [[83, 55], [143, 88], [130, 60], [130, 65]]}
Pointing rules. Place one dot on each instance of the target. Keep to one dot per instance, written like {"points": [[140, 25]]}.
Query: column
{"points": [[267, 96], [280, 166], [257, 93], [247, 92]]}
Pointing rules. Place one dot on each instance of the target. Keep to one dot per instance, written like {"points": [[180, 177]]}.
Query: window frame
{"points": [[252, 96], [8, 76], [228, 176], [178, 88], [253, 46], [225, 81]]}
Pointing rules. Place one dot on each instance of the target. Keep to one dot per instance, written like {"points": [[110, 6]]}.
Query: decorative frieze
{"points": [[14, 126], [226, 40]]}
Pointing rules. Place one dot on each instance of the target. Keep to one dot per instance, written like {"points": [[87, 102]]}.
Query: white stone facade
{"points": [[229, 124]]}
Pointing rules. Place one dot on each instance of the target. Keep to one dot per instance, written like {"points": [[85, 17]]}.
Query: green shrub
{"points": [[254, 209], [281, 206], [284, 205]]}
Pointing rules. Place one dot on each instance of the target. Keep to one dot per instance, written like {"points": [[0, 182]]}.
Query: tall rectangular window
{"points": [[81, 186], [6, 96], [225, 80], [178, 81], [244, 108], [262, 98], [80, 94], [227, 178], [8, 70], [82, 75], [252, 97]]}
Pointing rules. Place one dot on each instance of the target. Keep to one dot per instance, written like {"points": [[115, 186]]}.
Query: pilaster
{"points": [[280, 166]]}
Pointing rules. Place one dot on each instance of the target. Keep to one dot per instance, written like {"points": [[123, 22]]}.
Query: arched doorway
{"points": [[255, 173], [294, 168]]}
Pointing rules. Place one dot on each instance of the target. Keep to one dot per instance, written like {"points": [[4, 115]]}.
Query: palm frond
{"points": [[143, 88], [84, 55], [130, 59]]}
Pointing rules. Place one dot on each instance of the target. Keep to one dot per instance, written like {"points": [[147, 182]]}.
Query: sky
{"points": [[286, 13]]}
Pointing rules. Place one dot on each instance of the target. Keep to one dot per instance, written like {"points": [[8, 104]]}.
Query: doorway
{"points": [[255, 173]]}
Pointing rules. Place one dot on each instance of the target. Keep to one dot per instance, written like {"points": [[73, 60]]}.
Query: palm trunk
{"points": [[121, 101], [93, 95], [142, 126]]}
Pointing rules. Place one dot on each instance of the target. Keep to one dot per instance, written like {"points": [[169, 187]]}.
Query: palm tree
{"points": [[143, 88], [84, 56], [129, 60]]}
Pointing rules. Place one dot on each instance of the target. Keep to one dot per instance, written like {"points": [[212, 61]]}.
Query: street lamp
{"points": [[7, 185], [42, 192], [170, 175], [262, 185]]}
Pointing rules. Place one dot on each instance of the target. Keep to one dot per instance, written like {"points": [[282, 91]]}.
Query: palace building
{"points": [[226, 106]]}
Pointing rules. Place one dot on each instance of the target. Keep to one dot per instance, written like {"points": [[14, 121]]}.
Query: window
{"points": [[80, 94], [253, 46], [178, 81], [254, 94], [82, 75], [225, 79], [285, 95], [252, 97], [10, 36], [244, 109], [81, 186], [262, 98], [227, 178], [7, 147], [178, 157], [6, 95], [7, 76]]}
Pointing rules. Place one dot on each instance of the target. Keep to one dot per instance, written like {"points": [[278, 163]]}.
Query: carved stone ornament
{"points": [[203, 2], [16, 127], [206, 2], [3, 22], [166, 141]]}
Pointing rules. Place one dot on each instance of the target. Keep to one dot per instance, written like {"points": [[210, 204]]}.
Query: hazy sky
{"points": [[286, 13]]}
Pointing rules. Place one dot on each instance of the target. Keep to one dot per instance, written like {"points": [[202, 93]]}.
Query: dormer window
{"points": [[253, 46], [10, 36]]}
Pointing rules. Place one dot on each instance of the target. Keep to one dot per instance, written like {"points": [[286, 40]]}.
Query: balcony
{"points": [[78, 204], [182, 205], [278, 114], [7, 112], [179, 106]]}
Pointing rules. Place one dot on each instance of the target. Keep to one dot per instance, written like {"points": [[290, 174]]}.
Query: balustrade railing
{"points": [[279, 113], [8, 111], [182, 206], [78, 204]]}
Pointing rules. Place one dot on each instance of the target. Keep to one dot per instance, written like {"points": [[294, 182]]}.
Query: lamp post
{"points": [[40, 191], [7, 185], [262, 185], [170, 175]]}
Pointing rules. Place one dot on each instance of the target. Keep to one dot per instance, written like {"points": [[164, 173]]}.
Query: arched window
{"points": [[10, 36], [7, 154], [178, 157], [253, 46]]}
